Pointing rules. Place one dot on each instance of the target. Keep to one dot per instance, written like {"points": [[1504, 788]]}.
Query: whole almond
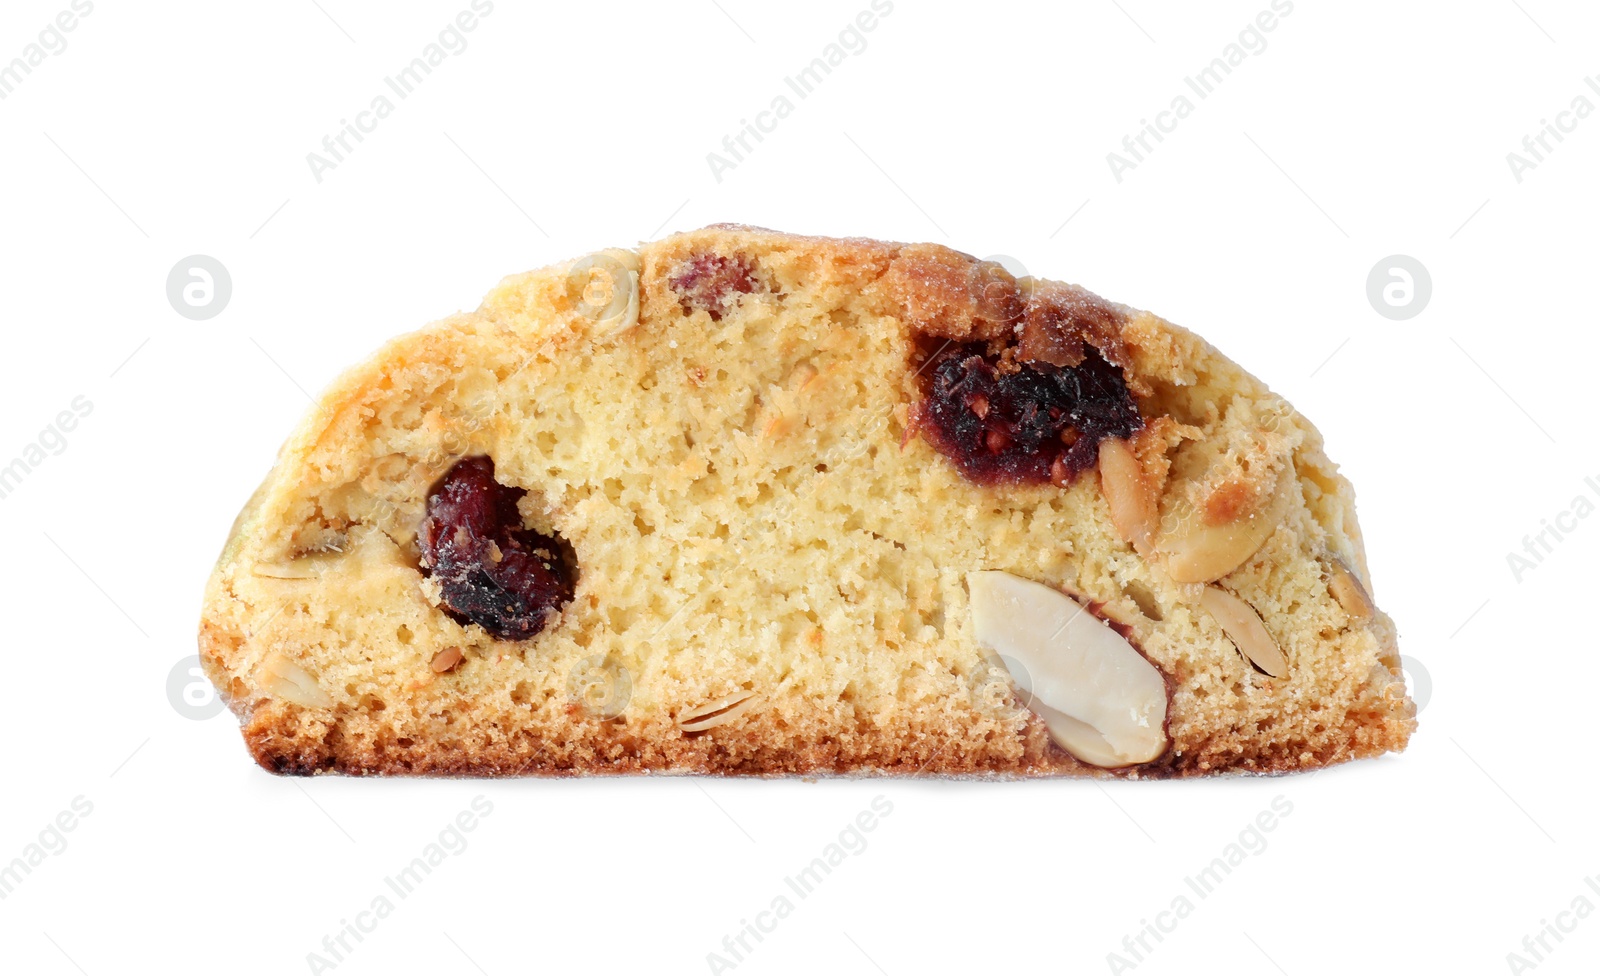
{"points": [[718, 711], [1347, 589], [1100, 699]]}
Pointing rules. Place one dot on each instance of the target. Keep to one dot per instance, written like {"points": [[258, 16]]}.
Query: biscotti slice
{"points": [[747, 502]]}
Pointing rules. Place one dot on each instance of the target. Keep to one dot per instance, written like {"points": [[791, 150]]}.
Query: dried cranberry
{"points": [[709, 282], [491, 571], [1022, 422]]}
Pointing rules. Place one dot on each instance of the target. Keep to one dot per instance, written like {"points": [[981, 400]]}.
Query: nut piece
{"points": [[1347, 589], [447, 660], [719, 711], [283, 678], [1198, 552], [1100, 699], [1244, 627], [1128, 493], [801, 376], [605, 289]]}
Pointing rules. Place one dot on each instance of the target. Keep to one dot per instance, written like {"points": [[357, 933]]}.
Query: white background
{"points": [[1363, 129]]}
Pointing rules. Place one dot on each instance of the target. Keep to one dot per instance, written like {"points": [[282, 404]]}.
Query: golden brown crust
{"points": [[280, 742], [349, 482]]}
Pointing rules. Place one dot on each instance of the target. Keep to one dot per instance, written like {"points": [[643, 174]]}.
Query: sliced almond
{"points": [[1244, 627], [1198, 552], [1101, 700], [283, 678], [1128, 493], [1347, 589], [447, 660], [718, 711]]}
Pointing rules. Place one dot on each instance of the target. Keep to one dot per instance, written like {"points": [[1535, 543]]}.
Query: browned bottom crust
{"points": [[281, 743]]}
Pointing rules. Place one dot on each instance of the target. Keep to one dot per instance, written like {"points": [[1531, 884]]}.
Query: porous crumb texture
{"points": [[751, 510]]}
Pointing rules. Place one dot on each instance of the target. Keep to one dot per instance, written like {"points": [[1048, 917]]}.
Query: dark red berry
{"points": [[1022, 422], [492, 572], [710, 281]]}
